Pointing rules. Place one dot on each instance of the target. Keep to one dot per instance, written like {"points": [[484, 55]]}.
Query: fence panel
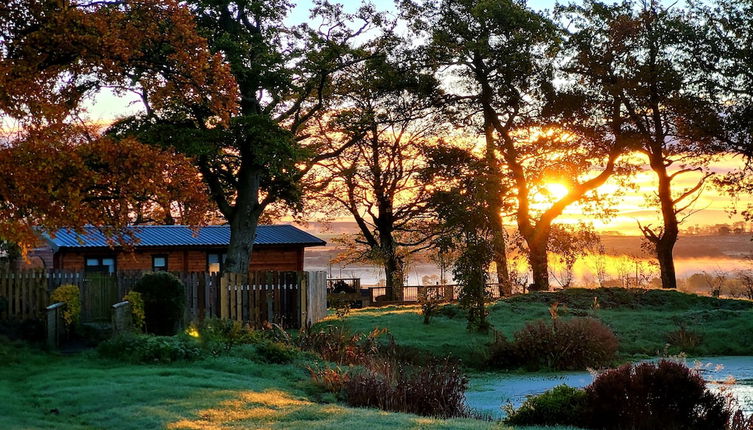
{"points": [[23, 294], [287, 298]]}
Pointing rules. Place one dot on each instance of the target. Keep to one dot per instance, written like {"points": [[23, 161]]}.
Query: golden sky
{"points": [[636, 206]]}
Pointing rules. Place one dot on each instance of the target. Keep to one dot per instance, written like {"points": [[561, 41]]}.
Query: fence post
{"points": [[224, 309], [122, 320], [55, 325], [304, 289]]}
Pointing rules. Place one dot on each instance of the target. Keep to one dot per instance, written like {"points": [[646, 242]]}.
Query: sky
{"points": [[712, 207]]}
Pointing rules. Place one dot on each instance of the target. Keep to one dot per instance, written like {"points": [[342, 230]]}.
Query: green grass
{"points": [[47, 391], [641, 320]]}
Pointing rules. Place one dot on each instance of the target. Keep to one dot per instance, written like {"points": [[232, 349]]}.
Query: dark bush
{"points": [[740, 422], [502, 353], [573, 344], [667, 395], [164, 301], [562, 405], [276, 352], [684, 339], [339, 345], [32, 330], [436, 390], [140, 348]]}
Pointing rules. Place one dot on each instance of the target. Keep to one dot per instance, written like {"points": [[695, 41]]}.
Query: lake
{"points": [[488, 392]]}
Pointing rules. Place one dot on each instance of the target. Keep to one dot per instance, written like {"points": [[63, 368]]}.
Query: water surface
{"points": [[489, 391]]}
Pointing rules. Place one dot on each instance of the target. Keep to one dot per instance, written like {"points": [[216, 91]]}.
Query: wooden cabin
{"points": [[174, 248]]}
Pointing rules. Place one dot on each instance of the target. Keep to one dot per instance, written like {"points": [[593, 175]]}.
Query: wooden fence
{"points": [[23, 295], [290, 299], [287, 298]]}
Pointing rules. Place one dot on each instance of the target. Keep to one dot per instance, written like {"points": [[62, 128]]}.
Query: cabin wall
{"points": [[182, 260]]}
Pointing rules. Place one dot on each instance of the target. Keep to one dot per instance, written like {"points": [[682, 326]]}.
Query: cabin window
{"points": [[215, 262], [99, 265], [159, 263]]}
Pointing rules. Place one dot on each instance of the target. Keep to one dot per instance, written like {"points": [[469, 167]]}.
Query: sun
{"points": [[556, 191]]}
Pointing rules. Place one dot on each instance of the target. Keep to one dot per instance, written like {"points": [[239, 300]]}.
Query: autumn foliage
{"points": [[59, 171]]}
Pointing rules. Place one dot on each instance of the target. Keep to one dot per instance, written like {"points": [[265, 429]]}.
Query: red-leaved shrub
{"points": [[437, 389], [573, 344], [667, 395]]}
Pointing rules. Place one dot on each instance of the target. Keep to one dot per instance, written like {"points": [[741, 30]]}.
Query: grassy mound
{"points": [[646, 322], [634, 298]]}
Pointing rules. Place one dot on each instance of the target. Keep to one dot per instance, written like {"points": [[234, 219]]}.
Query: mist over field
{"points": [[694, 254]]}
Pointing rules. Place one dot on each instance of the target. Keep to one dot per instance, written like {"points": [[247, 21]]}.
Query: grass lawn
{"points": [[47, 391], [641, 320]]}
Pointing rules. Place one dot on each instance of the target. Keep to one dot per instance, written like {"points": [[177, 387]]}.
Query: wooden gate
{"points": [[99, 292]]}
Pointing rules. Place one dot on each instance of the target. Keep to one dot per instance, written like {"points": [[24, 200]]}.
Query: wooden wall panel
{"points": [[185, 260]]}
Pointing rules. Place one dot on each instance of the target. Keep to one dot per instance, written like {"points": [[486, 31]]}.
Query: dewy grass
{"points": [[47, 391], [641, 320]]}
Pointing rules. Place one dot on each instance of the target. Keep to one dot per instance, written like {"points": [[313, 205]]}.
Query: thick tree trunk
{"points": [[665, 242], [666, 264], [537, 259], [495, 215], [394, 274], [243, 223], [240, 250]]}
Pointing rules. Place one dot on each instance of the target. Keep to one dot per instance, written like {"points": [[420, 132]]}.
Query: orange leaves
{"points": [[63, 177], [55, 53], [58, 173]]}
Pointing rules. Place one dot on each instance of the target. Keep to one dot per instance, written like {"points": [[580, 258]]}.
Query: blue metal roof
{"points": [[181, 235]]}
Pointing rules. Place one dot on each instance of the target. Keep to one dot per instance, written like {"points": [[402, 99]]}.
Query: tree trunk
{"points": [[500, 260], [665, 243], [495, 215], [243, 223], [239, 252], [666, 264], [537, 259], [394, 273]]}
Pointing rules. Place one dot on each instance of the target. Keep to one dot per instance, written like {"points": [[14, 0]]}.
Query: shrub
{"points": [[436, 390], [332, 379], [337, 344], [140, 348], [738, 421], [33, 330], [137, 309], [686, 340], [562, 405], [667, 395], [219, 336], [71, 296], [578, 343], [276, 352], [501, 353], [430, 302], [164, 302]]}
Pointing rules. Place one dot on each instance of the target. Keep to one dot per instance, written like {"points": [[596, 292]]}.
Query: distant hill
{"points": [[719, 246]]}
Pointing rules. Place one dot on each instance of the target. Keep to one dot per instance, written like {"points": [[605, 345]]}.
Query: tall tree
{"points": [[502, 53], [286, 77], [455, 29], [723, 56], [637, 53], [59, 171], [388, 115], [462, 182]]}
